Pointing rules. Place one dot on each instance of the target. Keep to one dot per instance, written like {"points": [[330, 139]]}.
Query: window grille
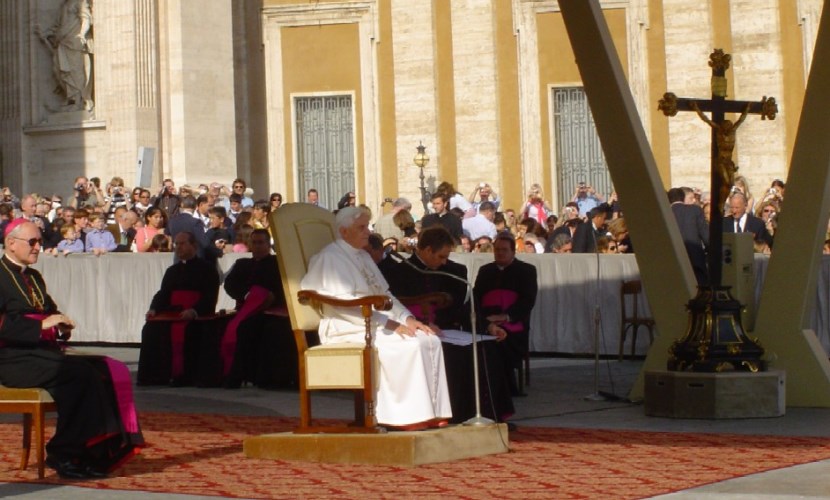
{"points": [[325, 147], [579, 156]]}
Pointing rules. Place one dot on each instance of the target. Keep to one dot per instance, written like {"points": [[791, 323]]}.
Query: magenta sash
{"points": [[503, 299], [49, 335], [123, 387], [185, 299], [253, 303], [417, 310]]}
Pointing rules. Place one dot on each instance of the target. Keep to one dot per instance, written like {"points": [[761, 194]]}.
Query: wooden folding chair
{"points": [[632, 320]]}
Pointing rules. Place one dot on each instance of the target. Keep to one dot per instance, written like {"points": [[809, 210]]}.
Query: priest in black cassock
{"points": [[189, 290], [406, 280], [97, 428], [258, 345], [505, 293]]}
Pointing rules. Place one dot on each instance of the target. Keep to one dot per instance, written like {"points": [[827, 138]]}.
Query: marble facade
{"points": [[204, 84]]}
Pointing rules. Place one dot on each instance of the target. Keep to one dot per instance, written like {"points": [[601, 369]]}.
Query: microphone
{"points": [[395, 255], [400, 258]]}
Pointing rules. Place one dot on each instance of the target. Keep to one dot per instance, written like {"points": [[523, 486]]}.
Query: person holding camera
{"points": [[586, 198], [84, 194], [116, 197], [485, 193], [168, 198]]}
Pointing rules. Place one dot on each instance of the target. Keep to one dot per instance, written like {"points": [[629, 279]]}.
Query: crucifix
{"points": [[715, 340], [723, 143]]}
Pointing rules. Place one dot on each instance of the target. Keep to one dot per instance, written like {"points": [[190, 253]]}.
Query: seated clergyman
{"points": [[97, 428], [412, 388]]}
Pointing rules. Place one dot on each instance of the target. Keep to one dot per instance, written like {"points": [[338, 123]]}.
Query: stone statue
{"points": [[70, 42], [725, 140]]}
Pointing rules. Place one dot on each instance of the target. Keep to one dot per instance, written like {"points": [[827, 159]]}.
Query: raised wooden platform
{"points": [[715, 395], [405, 449]]}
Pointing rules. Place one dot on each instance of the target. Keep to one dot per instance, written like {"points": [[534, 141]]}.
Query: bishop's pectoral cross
{"points": [[723, 143]]}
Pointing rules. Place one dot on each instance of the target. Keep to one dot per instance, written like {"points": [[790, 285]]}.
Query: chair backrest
{"points": [[300, 231], [632, 288]]}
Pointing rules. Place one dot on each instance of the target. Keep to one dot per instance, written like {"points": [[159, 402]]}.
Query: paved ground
{"points": [[556, 398]]}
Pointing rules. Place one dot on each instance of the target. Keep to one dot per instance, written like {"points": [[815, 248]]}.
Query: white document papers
{"points": [[459, 337]]}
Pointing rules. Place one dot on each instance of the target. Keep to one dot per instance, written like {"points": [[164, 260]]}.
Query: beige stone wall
{"points": [[198, 89], [172, 80], [476, 94], [416, 112]]}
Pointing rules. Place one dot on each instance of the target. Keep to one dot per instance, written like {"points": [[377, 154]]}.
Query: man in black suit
{"points": [[694, 230], [434, 247], [443, 217], [742, 221], [505, 293], [586, 235], [189, 290], [257, 345], [405, 280], [185, 222]]}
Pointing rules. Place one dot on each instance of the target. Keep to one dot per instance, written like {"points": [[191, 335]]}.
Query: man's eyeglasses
{"points": [[238, 186], [31, 241]]}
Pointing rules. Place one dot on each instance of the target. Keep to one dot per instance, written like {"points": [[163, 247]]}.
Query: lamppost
{"points": [[421, 160]]}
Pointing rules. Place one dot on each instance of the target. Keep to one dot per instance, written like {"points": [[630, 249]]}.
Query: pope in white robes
{"points": [[412, 385]]}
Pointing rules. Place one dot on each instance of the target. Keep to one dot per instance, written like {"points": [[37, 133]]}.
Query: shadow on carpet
{"points": [[202, 455]]}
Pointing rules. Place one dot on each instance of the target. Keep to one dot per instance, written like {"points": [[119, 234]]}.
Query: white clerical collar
{"points": [[347, 247], [502, 268], [22, 267]]}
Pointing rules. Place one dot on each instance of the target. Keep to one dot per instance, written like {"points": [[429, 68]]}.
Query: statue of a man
{"points": [[71, 45], [725, 139]]}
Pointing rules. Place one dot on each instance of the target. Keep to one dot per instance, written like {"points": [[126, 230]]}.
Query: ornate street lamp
{"points": [[421, 160]]}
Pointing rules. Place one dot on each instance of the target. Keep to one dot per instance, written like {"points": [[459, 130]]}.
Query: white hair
{"points": [[347, 216]]}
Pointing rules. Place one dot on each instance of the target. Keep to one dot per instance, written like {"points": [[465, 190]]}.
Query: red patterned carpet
{"points": [[202, 454]]}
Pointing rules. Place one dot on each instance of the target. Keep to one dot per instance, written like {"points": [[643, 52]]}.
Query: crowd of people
{"points": [[98, 219], [587, 223]]}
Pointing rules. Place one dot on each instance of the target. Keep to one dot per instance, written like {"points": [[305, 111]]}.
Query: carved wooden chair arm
{"points": [[379, 302]]}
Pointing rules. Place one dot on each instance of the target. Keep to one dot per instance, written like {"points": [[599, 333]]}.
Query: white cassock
{"points": [[412, 384]]}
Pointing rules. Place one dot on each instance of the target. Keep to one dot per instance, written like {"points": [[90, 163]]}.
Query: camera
{"points": [[79, 187]]}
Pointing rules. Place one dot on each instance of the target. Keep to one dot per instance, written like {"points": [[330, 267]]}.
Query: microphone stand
{"points": [[478, 420], [597, 394]]}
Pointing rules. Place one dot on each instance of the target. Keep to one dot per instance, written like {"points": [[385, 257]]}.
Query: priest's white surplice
{"points": [[412, 384]]}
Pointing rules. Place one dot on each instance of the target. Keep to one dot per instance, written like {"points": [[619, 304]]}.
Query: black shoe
{"points": [[93, 472], [68, 469], [511, 427], [232, 383], [180, 382]]}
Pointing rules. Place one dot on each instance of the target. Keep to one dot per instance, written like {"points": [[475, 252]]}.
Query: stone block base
{"points": [[715, 395], [405, 449]]}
